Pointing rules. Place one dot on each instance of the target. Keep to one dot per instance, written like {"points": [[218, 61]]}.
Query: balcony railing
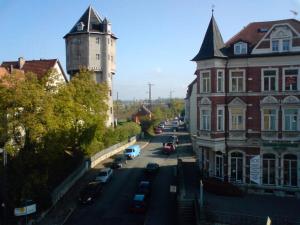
{"points": [[269, 135], [204, 133], [291, 135], [237, 134]]}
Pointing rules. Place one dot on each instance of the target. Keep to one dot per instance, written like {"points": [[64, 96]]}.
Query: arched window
{"points": [[236, 167], [290, 170], [219, 164], [269, 169]]}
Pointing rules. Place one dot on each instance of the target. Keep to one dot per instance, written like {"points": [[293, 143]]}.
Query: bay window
{"points": [[220, 81], [205, 119], [205, 82]]}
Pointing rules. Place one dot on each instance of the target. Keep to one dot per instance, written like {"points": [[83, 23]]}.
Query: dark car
{"points": [[118, 162], [90, 192], [158, 130], [144, 188], [152, 168], [139, 203], [168, 148]]}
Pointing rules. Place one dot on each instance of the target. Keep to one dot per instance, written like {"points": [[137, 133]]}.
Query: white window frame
{"points": [[208, 86], [230, 80], [208, 118], [240, 48], [289, 170], [297, 121], [222, 88], [243, 117], [272, 45], [289, 46], [263, 79], [283, 78], [219, 107], [263, 118]]}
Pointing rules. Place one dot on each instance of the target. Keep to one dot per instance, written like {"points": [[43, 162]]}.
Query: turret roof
{"points": [[212, 45]]}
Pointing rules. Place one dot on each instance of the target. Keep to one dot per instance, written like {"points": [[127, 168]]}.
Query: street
{"points": [[112, 207]]}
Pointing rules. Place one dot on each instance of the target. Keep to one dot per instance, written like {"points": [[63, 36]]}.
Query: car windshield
{"points": [[129, 150], [102, 174]]}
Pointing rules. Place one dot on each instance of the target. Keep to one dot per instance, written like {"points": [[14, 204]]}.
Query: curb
{"points": [[68, 215]]}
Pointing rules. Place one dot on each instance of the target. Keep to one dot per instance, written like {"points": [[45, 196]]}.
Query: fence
{"points": [[88, 163]]}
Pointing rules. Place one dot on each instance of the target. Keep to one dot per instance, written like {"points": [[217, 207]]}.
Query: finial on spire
{"points": [[212, 9]]}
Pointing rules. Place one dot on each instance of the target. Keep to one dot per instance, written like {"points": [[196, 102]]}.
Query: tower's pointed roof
{"points": [[90, 20], [212, 44]]}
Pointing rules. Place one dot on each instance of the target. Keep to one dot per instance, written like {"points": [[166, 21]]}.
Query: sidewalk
{"points": [[64, 208]]}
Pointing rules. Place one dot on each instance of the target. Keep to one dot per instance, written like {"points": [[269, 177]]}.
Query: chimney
{"points": [[21, 62]]}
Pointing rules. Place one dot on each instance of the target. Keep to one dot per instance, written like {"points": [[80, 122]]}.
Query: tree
{"points": [[47, 130]]}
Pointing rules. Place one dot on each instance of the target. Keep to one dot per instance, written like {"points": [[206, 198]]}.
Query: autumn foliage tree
{"points": [[47, 131]]}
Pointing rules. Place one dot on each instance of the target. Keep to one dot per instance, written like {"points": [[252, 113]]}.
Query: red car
{"points": [[139, 204], [158, 130], [168, 148]]}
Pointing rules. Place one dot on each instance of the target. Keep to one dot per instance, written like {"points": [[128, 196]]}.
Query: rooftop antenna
{"points": [[212, 9], [295, 13]]}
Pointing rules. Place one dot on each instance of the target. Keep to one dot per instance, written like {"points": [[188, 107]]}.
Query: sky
{"points": [[157, 38]]}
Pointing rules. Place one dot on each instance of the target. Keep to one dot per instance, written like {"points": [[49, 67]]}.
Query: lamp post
{"points": [[3, 204]]}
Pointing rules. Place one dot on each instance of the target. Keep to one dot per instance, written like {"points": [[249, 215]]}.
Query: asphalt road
{"points": [[112, 207]]}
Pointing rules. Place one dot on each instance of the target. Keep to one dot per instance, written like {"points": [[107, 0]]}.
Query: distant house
{"points": [[142, 112], [39, 67]]}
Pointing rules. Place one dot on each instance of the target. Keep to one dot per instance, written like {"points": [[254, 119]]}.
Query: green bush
{"points": [[121, 133]]}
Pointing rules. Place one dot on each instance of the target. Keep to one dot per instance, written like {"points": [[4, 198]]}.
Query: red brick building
{"points": [[248, 106]]}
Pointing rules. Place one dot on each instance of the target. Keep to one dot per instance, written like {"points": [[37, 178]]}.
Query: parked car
{"points": [[168, 148], [174, 139], [90, 192], [144, 188], [151, 168], [158, 130], [132, 151], [161, 125], [104, 175], [139, 203], [118, 162]]}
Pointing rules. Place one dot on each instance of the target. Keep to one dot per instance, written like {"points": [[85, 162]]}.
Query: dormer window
{"points": [[275, 45], [286, 45], [240, 48], [80, 26]]}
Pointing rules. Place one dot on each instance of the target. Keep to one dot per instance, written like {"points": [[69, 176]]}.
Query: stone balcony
{"points": [[291, 135], [269, 135], [237, 135]]}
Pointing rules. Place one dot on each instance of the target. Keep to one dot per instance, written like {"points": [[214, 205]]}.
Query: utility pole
{"points": [[150, 101], [117, 107], [171, 92]]}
